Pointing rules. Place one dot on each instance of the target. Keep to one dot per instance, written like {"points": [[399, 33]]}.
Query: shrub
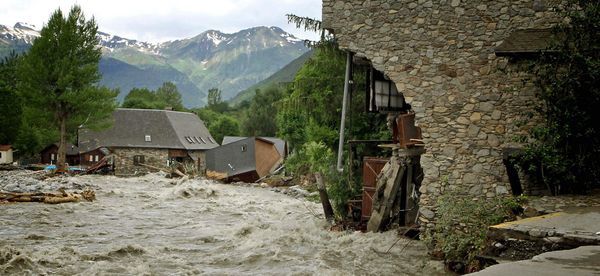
{"points": [[461, 229]]}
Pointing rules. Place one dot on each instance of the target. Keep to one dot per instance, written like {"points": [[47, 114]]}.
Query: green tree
{"points": [[59, 76], [565, 151], [215, 102], [169, 95], [260, 117], [10, 101], [224, 126], [140, 98]]}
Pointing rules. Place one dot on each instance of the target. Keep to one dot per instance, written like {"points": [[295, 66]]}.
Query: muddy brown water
{"points": [[155, 226]]}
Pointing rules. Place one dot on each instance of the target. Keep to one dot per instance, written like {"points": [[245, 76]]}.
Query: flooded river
{"points": [[156, 226]]}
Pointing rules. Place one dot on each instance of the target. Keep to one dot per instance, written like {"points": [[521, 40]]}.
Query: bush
{"points": [[564, 152], [315, 157], [461, 229]]}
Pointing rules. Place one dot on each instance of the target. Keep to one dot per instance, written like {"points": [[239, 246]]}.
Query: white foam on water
{"points": [[154, 225]]}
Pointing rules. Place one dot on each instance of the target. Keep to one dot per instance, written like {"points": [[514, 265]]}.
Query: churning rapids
{"points": [[156, 226]]}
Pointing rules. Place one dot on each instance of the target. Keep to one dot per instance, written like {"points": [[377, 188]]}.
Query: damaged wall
{"points": [[440, 54], [124, 163]]}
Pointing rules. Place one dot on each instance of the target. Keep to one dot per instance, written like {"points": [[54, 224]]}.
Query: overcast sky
{"points": [[162, 20]]}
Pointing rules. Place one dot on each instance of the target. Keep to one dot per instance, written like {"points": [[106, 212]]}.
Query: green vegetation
{"points": [[165, 96], [58, 76], [563, 153], [280, 78], [219, 118], [10, 101], [460, 232]]}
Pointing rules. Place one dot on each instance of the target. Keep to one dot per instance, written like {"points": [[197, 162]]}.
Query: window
{"points": [[96, 158], [52, 156], [189, 139], [91, 158], [138, 159], [211, 140], [244, 147], [203, 141], [0, 154], [148, 138], [196, 139]]}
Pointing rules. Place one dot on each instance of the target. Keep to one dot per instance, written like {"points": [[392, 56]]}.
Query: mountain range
{"points": [[230, 62]]}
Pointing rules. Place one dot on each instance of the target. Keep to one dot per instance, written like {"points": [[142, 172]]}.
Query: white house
{"points": [[6, 154]]}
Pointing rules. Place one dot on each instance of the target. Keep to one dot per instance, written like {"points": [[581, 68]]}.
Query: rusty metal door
{"points": [[371, 168]]}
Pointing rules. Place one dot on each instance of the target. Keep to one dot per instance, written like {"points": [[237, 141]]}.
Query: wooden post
{"points": [[324, 197]]}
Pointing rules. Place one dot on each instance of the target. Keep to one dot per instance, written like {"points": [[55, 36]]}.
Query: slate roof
{"points": [[166, 129], [231, 158], [279, 143], [525, 41]]}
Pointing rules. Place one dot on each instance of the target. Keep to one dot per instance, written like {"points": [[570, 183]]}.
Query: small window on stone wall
{"points": [[138, 159]]}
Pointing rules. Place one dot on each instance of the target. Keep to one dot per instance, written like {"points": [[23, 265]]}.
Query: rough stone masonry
{"points": [[469, 103]]}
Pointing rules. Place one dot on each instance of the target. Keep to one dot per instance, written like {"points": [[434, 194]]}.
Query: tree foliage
{"points": [[215, 102], [565, 152], [10, 101], [259, 118], [165, 96], [58, 77]]}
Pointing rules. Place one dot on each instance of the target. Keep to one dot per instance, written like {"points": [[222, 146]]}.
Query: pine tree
{"points": [[59, 77]]}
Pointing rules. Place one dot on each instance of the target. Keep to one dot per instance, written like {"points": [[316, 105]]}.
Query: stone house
{"points": [[6, 154], [142, 137], [470, 100]]}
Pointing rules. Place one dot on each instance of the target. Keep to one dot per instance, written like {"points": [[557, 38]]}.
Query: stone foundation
{"points": [[124, 163], [469, 103]]}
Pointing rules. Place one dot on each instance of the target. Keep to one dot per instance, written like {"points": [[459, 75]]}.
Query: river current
{"points": [[156, 226]]}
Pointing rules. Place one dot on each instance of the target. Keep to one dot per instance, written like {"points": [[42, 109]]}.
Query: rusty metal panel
{"points": [[371, 168], [406, 130], [367, 203]]}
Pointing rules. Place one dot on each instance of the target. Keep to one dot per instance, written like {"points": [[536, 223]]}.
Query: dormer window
{"points": [[148, 138], [203, 141], [211, 140], [189, 139]]}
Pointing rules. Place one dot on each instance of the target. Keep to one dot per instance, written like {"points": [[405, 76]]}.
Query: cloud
{"points": [[159, 20]]}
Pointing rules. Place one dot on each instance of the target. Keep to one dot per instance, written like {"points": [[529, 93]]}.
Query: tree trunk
{"points": [[62, 146], [324, 197]]}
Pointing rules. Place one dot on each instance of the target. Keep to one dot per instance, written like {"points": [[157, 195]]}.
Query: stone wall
{"points": [[200, 155], [468, 102], [124, 165]]}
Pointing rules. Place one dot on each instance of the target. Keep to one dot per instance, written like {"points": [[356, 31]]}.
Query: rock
{"points": [[501, 190], [426, 213], [529, 211], [537, 233]]}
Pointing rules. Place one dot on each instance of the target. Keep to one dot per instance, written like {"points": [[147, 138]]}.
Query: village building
{"points": [[6, 154], [280, 144], [49, 154], [247, 159], [142, 139], [458, 64]]}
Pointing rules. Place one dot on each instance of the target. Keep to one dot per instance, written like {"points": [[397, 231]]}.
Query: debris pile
{"points": [[37, 186]]}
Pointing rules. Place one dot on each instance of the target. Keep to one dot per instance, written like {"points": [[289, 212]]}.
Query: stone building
{"points": [[469, 102], [141, 137]]}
